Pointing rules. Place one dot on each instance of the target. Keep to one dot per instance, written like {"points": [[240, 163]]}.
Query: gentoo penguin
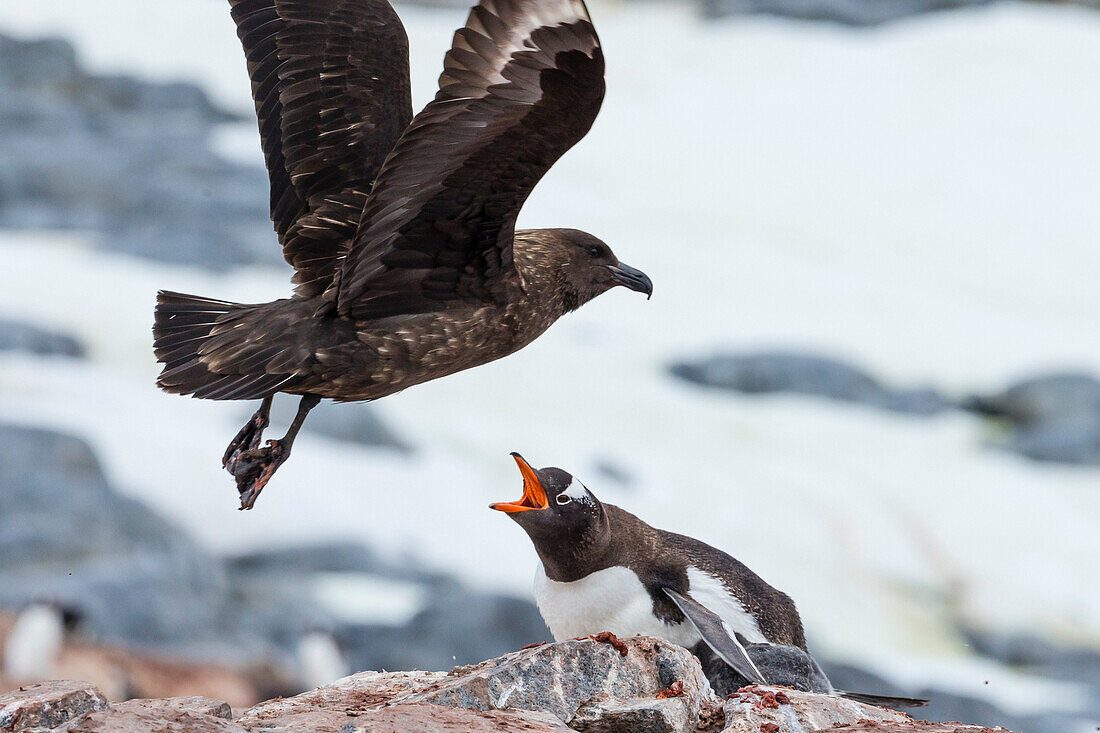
{"points": [[320, 661], [35, 640], [603, 569]]}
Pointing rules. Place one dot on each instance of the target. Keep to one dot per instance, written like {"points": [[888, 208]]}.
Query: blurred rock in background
{"points": [[24, 337], [788, 371], [352, 423], [843, 12], [1054, 417], [68, 538], [127, 159]]}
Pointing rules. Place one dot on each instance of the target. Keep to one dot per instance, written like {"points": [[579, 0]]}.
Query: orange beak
{"points": [[534, 497]]}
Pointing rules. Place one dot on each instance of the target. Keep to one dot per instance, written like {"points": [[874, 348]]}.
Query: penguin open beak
{"points": [[534, 497], [632, 278]]}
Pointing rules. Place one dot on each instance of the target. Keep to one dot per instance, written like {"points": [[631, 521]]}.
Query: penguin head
{"points": [[556, 510]]}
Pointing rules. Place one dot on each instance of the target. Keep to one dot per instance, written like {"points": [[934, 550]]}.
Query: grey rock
{"points": [[331, 707], [1054, 417], [669, 715], [371, 701], [565, 677], [779, 371], [584, 684], [455, 624], [352, 423], [1042, 397], [435, 719], [16, 336], [845, 12], [175, 714], [1073, 440], [199, 705], [803, 712], [48, 704], [458, 625], [946, 704], [128, 159], [66, 535]]}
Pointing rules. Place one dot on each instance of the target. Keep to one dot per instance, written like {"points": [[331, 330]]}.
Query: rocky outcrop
{"points": [[17, 336], [1050, 417], [641, 685], [48, 705], [168, 714], [1047, 417], [787, 371], [351, 423], [129, 159], [844, 12], [148, 594]]}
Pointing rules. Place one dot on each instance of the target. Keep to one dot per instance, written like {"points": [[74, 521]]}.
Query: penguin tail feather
{"points": [[884, 701]]}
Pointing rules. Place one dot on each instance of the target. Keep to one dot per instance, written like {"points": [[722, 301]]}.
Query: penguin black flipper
{"points": [[884, 701], [717, 636]]}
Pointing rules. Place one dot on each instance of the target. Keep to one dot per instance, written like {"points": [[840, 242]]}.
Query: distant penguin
{"points": [[32, 646], [320, 661], [603, 569]]}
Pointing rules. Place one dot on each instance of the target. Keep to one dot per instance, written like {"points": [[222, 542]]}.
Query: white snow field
{"points": [[921, 199]]}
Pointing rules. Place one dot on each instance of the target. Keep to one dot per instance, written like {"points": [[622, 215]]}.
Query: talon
{"points": [[249, 436], [254, 467]]}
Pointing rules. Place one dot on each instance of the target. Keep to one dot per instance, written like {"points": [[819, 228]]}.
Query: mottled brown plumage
{"points": [[402, 233]]}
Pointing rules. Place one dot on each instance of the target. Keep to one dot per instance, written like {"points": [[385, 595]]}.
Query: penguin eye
{"points": [[563, 499], [594, 250]]}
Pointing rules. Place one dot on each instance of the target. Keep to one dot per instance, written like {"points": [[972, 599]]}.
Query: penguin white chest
{"points": [[613, 599]]}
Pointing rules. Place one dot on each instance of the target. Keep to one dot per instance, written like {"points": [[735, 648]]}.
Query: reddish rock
{"points": [[48, 704], [175, 714], [755, 706], [424, 718], [565, 677], [330, 708], [915, 726]]}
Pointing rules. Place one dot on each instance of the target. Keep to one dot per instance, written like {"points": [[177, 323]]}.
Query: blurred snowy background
{"points": [[868, 369]]}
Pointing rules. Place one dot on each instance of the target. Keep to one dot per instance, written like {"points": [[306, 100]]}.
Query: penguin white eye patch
{"points": [[575, 490]]}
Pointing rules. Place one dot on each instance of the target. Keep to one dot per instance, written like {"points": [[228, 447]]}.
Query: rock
{"points": [[644, 716], [580, 685], [586, 684], [1043, 397], [947, 704], [66, 535], [175, 714], [458, 625], [914, 726], [844, 12], [352, 423], [1074, 440], [770, 372], [453, 623], [16, 336], [127, 158], [564, 678], [48, 705], [747, 711], [196, 704], [332, 707], [1054, 417], [434, 719]]}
